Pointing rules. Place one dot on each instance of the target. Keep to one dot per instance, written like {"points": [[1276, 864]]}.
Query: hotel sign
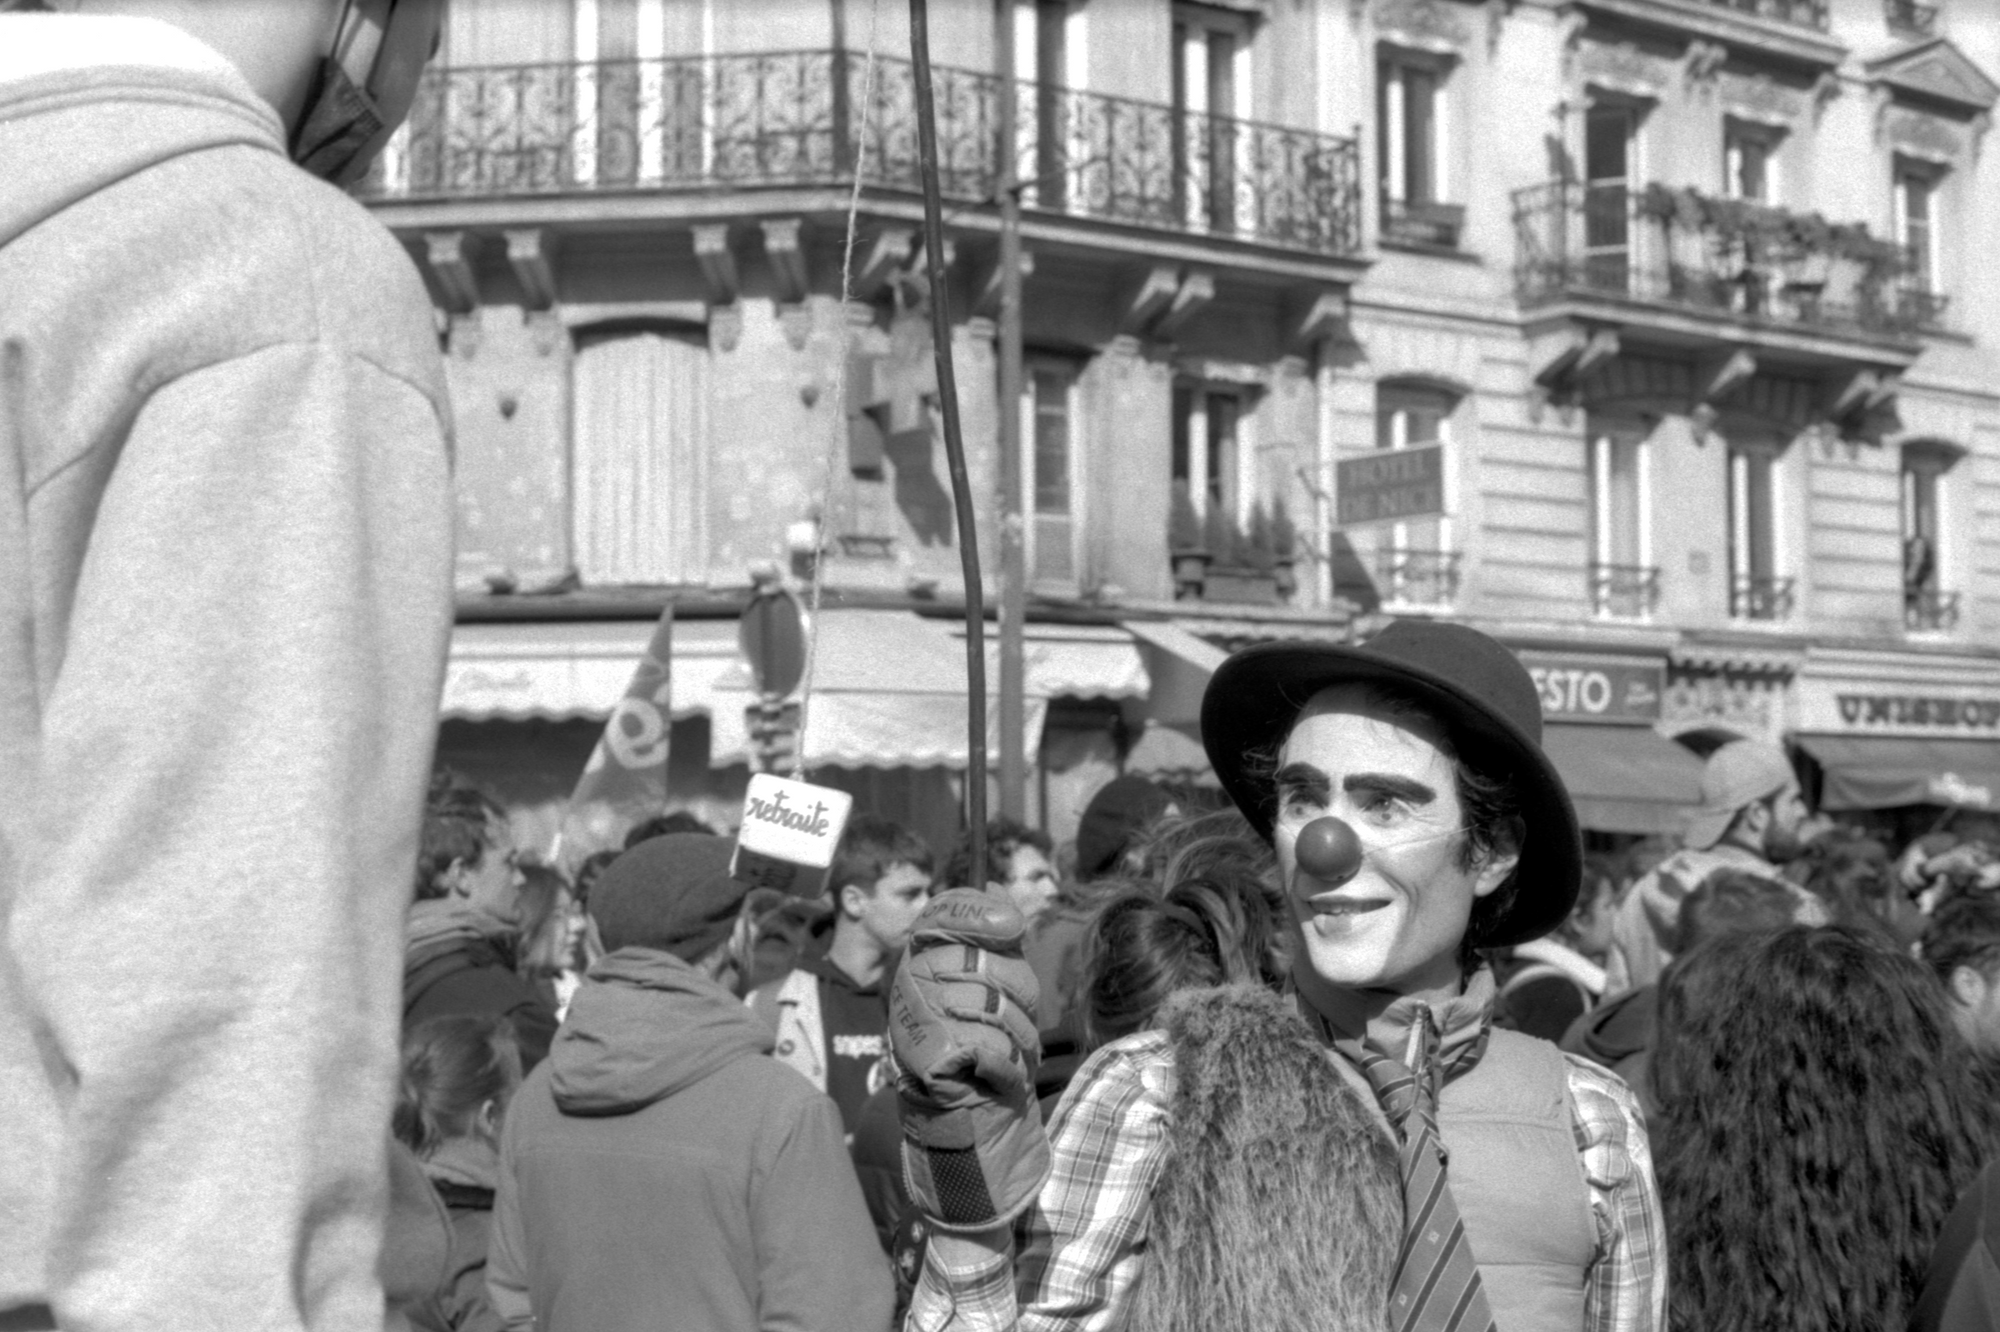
{"points": [[1390, 485], [1596, 689]]}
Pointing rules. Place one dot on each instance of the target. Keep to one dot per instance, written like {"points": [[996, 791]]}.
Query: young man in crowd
{"points": [[463, 927], [226, 536], [1751, 818], [1962, 945], [659, 1169], [831, 1014], [1415, 819], [1018, 862]]}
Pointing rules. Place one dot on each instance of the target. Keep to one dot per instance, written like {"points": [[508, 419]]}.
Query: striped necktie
{"points": [[1437, 1285]]}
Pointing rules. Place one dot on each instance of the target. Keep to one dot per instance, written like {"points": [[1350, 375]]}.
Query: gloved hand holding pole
{"points": [[962, 1028]]}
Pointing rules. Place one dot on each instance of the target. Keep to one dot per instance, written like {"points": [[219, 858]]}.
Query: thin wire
{"points": [[839, 428]]}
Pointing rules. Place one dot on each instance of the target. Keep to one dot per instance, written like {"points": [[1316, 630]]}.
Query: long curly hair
{"points": [[1818, 1120]]}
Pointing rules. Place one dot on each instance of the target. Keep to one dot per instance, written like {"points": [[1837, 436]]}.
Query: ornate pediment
{"points": [[1622, 67], [1937, 71], [1760, 98], [1426, 25]]}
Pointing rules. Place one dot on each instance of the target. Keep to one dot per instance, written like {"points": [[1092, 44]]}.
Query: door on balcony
{"points": [[1206, 458], [1416, 563], [1758, 590], [1610, 147], [1211, 83], [1622, 576], [1047, 51], [1411, 148], [1916, 222], [640, 432], [1054, 486], [1924, 605]]}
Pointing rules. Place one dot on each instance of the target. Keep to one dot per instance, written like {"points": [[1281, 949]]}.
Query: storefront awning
{"points": [[1884, 771], [1179, 664], [549, 671], [888, 692], [1624, 779], [1171, 753], [1068, 661]]}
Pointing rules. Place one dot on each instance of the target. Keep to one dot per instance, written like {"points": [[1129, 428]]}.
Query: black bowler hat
{"points": [[1479, 692]]}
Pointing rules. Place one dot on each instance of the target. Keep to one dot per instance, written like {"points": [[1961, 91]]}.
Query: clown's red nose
{"points": [[1329, 851]]}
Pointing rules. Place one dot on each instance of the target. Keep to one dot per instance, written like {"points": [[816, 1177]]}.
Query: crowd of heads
{"points": [[1819, 1095]]}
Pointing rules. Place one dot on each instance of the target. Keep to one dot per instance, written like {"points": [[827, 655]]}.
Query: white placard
{"points": [[794, 821]]}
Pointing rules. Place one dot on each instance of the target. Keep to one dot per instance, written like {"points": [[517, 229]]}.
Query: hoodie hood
{"points": [[70, 80], [1616, 1029], [643, 1026]]}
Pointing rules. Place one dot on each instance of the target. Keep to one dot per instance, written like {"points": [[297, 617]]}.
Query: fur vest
{"points": [[1280, 1206]]}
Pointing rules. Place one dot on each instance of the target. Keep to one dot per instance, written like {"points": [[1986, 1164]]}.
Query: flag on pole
{"points": [[626, 777]]}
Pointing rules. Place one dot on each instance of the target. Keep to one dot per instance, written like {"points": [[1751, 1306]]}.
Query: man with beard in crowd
{"points": [[1750, 819], [1415, 820]]}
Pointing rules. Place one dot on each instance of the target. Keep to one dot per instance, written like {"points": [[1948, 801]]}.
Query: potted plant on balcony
{"points": [[1186, 545], [1242, 570], [1284, 550]]}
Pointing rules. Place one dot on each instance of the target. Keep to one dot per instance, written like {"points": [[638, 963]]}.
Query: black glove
{"points": [[962, 1028]]}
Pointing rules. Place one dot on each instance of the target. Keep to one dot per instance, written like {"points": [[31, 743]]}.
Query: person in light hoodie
{"points": [[225, 596]]}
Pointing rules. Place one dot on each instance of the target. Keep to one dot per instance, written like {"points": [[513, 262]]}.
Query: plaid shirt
{"points": [[1080, 1244]]}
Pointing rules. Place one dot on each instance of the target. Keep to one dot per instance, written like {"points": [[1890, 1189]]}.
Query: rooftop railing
{"points": [[709, 123], [1733, 258]]}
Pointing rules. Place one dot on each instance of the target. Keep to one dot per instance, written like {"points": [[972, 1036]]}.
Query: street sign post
{"points": [[772, 634]]}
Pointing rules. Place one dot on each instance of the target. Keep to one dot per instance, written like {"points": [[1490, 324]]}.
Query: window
{"points": [[1416, 565], [1757, 590], [1750, 161], [1916, 222], [1411, 150], [638, 461], [1609, 175], [1211, 92], [1052, 478], [1624, 584], [1207, 420], [1926, 603], [1049, 49]]}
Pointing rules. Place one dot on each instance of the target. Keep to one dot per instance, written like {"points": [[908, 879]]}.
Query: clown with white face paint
{"points": [[1415, 821]]}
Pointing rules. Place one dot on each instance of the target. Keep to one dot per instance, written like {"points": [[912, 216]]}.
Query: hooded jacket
{"points": [[458, 963], [225, 592], [659, 1170]]}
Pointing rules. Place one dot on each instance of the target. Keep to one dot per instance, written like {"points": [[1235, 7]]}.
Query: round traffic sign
{"points": [[772, 633]]}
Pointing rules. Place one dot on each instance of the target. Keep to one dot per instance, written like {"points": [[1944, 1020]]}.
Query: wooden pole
{"points": [[954, 449], [1013, 555]]}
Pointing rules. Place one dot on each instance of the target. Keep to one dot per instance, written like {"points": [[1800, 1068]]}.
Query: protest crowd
{"points": [[1364, 1041]]}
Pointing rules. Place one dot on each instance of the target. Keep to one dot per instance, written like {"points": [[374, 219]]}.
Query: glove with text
{"points": [[962, 1027]]}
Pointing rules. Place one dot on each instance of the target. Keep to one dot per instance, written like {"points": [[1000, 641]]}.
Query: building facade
{"points": [[1674, 308]]}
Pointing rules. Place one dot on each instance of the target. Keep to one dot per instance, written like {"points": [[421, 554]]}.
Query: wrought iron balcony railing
{"points": [[1804, 13], [1752, 598], [1422, 223], [1624, 591], [1925, 609], [1910, 18], [787, 118], [1683, 250], [1409, 577]]}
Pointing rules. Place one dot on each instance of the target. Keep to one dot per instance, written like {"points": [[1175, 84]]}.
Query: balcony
{"points": [[1927, 610], [1733, 261], [1434, 225], [1799, 13], [1755, 598], [1910, 18], [699, 125], [1624, 591], [1412, 577]]}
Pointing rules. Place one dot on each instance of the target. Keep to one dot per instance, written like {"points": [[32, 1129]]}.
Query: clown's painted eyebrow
{"points": [[1304, 781]]}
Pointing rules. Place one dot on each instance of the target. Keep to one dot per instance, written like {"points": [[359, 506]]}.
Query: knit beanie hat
{"points": [[673, 893], [1115, 815]]}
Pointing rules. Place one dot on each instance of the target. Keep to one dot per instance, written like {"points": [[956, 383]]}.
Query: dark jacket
{"points": [[452, 966], [659, 1170], [1962, 1293], [1619, 1034]]}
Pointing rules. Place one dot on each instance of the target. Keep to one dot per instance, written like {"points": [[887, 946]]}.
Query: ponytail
{"points": [[451, 1067]]}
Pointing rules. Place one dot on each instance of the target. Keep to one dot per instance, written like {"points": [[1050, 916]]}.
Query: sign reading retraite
{"points": [[789, 833]]}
